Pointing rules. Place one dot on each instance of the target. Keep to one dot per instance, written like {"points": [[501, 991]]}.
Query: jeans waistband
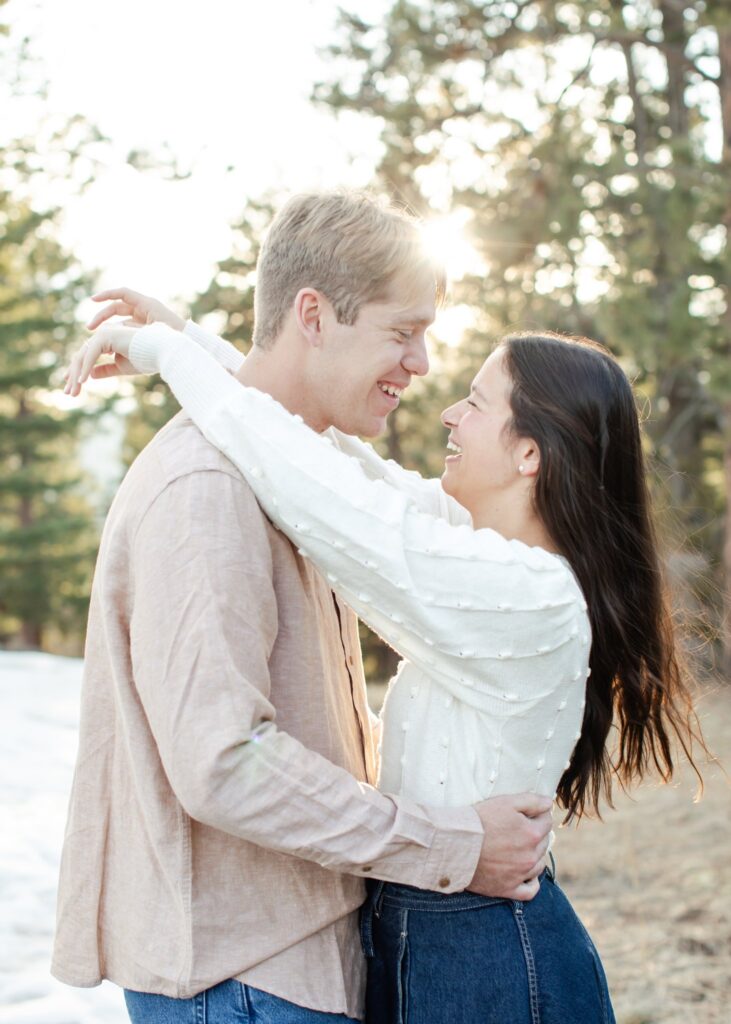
{"points": [[408, 897]]}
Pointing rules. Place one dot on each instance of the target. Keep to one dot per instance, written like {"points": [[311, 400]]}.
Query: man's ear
{"points": [[308, 310]]}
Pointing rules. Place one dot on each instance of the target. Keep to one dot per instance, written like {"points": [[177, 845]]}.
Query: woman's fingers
{"points": [[72, 374], [117, 308], [105, 370], [125, 294], [527, 890], [120, 367], [81, 365], [94, 349]]}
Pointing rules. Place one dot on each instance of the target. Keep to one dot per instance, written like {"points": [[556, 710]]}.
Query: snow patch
{"points": [[39, 705]]}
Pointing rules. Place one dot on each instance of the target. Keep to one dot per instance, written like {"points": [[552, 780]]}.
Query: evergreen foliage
{"points": [[588, 145], [229, 300], [47, 536], [582, 139]]}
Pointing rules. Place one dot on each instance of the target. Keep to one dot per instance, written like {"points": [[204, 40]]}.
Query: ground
{"points": [[652, 883], [653, 886]]}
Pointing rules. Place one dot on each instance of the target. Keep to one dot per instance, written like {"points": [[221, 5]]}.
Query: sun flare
{"points": [[445, 239]]}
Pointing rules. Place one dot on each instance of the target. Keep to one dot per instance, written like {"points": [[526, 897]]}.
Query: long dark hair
{"points": [[573, 399]]}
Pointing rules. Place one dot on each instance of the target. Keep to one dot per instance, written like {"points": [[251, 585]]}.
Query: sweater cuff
{"points": [[149, 344], [455, 850]]}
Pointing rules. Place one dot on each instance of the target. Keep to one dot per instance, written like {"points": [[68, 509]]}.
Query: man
{"points": [[223, 816]]}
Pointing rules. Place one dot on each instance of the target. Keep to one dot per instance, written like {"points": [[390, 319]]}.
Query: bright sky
{"points": [[224, 85]]}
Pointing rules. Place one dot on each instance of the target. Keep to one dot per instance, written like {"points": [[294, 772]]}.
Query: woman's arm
{"points": [[223, 352], [419, 581], [426, 494]]}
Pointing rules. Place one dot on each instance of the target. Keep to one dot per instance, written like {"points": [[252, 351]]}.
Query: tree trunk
{"points": [[30, 632], [31, 635], [673, 29], [639, 119]]}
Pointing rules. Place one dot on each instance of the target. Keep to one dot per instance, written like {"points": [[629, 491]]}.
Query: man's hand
{"points": [[517, 835], [139, 309]]}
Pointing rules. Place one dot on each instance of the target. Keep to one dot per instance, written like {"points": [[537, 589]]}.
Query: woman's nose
{"points": [[450, 416]]}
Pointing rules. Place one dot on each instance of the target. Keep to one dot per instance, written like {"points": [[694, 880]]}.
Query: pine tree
{"points": [[579, 137], [47, 537]]}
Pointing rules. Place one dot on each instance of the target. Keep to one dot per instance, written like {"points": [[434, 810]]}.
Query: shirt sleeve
{"points": [[203, 626], [447, 587]]}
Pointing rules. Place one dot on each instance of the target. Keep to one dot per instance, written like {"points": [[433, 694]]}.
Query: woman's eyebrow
{"points": [[474, 390]]}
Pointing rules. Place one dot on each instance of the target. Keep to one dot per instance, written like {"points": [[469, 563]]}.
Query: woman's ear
{"points": [[308, 309], [529, 457]]}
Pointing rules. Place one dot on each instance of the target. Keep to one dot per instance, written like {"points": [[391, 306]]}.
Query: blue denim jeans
{"points": [[467, 959], [227, 1003]]}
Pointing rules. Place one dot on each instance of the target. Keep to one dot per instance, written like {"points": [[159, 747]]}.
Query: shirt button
{"points": [[350, 659], [444, 883], [367, 868]]}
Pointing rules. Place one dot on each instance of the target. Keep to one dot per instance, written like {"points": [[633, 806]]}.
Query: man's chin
{"points": [[365, 426]]}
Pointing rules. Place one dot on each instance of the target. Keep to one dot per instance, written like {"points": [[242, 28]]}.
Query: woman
{"points": [[537, 572]]}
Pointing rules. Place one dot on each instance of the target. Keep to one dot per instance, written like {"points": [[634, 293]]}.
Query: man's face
{"points": [[362, 370]]}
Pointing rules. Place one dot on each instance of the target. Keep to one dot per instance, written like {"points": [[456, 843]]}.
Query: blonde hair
{"points": [[348, 245]]}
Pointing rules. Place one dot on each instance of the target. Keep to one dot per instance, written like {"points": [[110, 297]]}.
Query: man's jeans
{"points": [[227, 1003]]}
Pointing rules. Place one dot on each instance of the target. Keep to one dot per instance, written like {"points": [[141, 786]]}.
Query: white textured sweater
{"points": [[495, 634]]}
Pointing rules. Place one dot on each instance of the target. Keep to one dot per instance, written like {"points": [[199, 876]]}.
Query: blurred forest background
{"points": [[585, 150]]}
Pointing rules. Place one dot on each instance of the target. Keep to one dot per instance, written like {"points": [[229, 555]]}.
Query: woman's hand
{"points": [[112, 339], [139, 309]]}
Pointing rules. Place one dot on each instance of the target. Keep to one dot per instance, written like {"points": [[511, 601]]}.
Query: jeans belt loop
{"points": [[552, 870], [371, 906]]}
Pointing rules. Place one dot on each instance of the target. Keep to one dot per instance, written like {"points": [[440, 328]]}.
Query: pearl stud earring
{"points": [[521, 468]]}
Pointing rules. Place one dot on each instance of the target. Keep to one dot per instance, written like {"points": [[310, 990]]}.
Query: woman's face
{"points": [[487, 465]]}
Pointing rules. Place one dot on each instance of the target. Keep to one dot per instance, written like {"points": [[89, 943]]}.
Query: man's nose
{"points": [[415, 359]]}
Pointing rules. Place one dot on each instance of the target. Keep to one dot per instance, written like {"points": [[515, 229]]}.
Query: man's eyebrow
{"points": [[418, 318]]}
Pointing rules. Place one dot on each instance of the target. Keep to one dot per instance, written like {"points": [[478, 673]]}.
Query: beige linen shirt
{"points": [[223, 814]]}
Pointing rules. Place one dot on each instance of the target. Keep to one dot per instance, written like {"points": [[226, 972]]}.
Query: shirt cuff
{"points": [[455, 850]]}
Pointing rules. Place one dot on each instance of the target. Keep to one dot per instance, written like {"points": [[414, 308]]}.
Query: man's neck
{"points": [[271, 371]]}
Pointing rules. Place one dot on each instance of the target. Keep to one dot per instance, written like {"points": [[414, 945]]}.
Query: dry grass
{"points": [[652, 883]]}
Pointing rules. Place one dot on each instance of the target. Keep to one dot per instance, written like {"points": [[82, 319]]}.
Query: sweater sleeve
{"points": [[225, 354], [419, 581], [426, 495]]}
